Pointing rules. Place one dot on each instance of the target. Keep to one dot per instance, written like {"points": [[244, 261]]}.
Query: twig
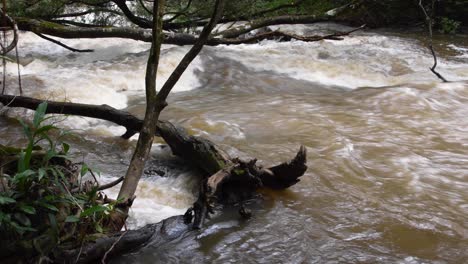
{"points": [[429, 25], [19, 71], [71, 196], [79, 253], [94, 176], [110, 184], [63, 45], [103, 260], [287, 36]]}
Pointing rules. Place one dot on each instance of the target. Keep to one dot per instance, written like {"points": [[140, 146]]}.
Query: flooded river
{"points": [[387, 142]]}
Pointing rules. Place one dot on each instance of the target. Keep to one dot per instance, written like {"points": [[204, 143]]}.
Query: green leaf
{"points": [[48, 206], [28, 209], [41, 173], [72, 219], [98, 228], [21, 229], [26, 129], [53, 222], [6, 200], [22, 219], [65, 147], [92, 210], [7, 58], [84, 169], [45, 129], [50, 154], [39, 115], [6, 150], [22, 162]]}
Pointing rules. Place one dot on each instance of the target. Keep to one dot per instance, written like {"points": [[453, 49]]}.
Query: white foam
{"points": [[157, 198], [108, 75], [356, 61], [116, 65], [463, 52]]}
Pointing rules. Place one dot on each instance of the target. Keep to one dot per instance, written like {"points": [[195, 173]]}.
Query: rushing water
{"points": [[387, 142]]}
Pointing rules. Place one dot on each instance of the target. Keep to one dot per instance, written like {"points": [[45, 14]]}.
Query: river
{"points": [[387, 141]]}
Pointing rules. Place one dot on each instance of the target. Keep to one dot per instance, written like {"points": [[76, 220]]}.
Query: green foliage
{"points": [[41, 8], [448, 26], [42, 197]]}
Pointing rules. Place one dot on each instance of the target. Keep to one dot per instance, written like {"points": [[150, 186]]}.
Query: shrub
{"points": [[448, 26], [43, 200]]}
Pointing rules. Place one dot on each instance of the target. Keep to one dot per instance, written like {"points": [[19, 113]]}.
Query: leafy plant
{"points": [[449, 26], [43, 201]]}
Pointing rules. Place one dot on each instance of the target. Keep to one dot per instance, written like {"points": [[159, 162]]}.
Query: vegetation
{"points": [[448, 26], [44, 200], [46, 203]]}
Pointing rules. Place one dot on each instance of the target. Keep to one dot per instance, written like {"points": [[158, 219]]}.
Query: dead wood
{"points": [[227, 179]]}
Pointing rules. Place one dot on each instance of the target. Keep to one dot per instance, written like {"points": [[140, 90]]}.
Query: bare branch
{"points": [[139, 21], [110, 184], [192, 53], [63, 45], [282, 36], [103, 260], [286, 19], [431, 47]]}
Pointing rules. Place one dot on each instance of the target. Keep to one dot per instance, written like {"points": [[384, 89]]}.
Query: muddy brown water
{"points": [[387, 143]]}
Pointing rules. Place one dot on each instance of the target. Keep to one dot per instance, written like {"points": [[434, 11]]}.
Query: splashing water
{"points": [[387, 143]]}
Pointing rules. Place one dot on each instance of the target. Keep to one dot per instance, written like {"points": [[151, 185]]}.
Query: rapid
{"points": [[387, 141]]}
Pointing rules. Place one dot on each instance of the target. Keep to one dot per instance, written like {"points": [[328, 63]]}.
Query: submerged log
{"points": [[124, 241], [228, 180], [199, 151]]}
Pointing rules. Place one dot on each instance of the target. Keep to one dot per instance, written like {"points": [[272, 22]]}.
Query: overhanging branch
{"points": [[62, 31], [63, 45]]}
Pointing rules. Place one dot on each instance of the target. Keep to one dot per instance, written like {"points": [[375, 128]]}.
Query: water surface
{"points": [[387, 142]]}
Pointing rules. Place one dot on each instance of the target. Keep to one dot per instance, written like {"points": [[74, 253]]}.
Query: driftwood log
{"points": [[227, 179]]}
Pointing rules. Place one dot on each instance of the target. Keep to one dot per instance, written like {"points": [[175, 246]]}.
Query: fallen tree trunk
{"points": [[228, 180], [230, 37], [199, 151], [125, 241], [104, 112]]}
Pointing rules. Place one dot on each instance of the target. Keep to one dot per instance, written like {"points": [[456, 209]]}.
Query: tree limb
{"points": [[110, 184], [63, 45], [431, 48], [139, 21], [61, 31], [104, 112], [286, 19]]}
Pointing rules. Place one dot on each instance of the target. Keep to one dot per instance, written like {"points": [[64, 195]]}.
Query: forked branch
{"points": [[431, 47]]}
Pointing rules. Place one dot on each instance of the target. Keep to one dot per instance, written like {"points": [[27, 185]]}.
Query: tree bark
{"points": [[156, 102], [145, 139], [104, 112], [227, 37], [199, 151], [227, 179]]}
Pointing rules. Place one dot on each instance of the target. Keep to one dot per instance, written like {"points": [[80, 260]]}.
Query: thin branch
{"points": [[63, 45], [139, 21], [282, 36], [286, 19], [75, 23], [9, 22], [192, 53], [89, 11], [144, 7], [180, 13], [429, 25], [103, 260], [110, 184], [19, 71]]}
